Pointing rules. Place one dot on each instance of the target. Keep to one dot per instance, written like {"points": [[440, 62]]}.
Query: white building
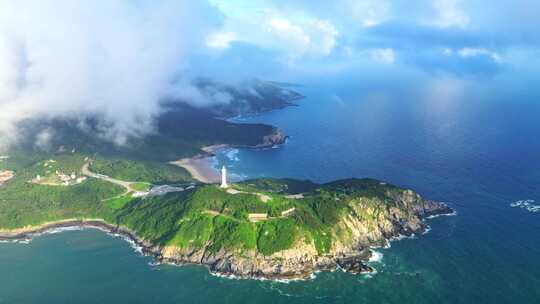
{"points": [[224, 177]]}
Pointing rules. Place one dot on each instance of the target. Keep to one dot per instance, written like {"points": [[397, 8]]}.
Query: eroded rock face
{"points": [[6, 176], [354, 234], [364, 224], [276, 138], [268, 141]]}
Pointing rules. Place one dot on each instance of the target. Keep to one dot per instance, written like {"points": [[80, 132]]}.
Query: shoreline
{"points": [[143, 247], [29, 232], [354, 264], [200, 166], [146, 248]]}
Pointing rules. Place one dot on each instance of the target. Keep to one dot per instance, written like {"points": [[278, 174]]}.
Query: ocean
{"points": [[477, 152]]}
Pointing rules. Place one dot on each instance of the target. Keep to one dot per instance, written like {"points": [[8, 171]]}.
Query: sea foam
{"points": [[453, 213], [16, 241], [62, 229], [232, 155], [284, 281], [137, 248], [376, 257], [528, 205], [428, 229]]}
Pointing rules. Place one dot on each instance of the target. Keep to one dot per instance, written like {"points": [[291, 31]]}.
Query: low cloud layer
{"points": [[114, 59]]}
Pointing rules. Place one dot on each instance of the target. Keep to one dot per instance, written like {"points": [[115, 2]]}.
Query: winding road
{"points": [[127, 185]]}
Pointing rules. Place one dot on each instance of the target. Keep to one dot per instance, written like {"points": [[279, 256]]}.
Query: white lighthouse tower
{"points": [[224, 177]]}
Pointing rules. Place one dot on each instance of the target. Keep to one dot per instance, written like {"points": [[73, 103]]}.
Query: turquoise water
{"points": [[477, 154]]}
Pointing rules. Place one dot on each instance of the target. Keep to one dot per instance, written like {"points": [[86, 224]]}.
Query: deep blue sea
{"points": [[478, 152]]}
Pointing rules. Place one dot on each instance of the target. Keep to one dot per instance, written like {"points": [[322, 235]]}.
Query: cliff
{"points": [[301, 227], [367, 213], [274, 138]]}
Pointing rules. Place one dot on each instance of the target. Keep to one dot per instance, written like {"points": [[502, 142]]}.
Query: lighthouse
{"points": [[224, 177]]}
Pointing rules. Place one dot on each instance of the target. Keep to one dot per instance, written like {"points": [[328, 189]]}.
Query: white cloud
{"points": [[312, 38], [289, 35], [386, 56], [474, 52], [110, 58], [369, 12], [221, 40], [43, 139], [449, 14], [324, 37], [294, 32]]}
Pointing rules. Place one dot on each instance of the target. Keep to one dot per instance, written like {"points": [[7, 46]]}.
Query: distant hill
{"points": [[181, 130]]}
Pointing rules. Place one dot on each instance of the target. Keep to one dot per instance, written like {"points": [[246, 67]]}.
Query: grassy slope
{"points": [[140, 171], [179, 219], [23, 203], [183, 219], [180, 132]]}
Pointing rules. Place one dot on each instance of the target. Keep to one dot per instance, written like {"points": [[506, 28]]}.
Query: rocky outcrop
{"points": [[268, 141], [364, 225], [6, 176], [357, 231], [276, 138]]}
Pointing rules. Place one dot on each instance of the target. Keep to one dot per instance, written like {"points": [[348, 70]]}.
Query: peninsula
{"points": [[262, 228]]}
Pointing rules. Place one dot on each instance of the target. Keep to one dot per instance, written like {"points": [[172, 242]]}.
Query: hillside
{"points": [[259, 228], [251, 231], [271, 228]]}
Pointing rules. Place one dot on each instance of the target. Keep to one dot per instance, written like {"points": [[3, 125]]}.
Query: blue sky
{"points": [[438, 36]]}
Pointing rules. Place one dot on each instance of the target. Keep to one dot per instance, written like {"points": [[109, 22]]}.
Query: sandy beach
{"points": [[200, 166]]}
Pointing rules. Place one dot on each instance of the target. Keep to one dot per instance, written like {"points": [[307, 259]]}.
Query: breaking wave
{"points": [[60, 229], [529, 205], [284, 281], [454, 213], [232, 155], [136, 247], [376, 257], [16, 241]]}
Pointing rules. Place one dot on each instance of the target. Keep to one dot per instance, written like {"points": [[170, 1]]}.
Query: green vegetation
{"points": [[23, 203], [230, 233], [276, 235], [154, 218], [281, 186], [194, 230], [210, 216], [206, 216], [141, 187], [140, 171], [118, 203], [181, 131], [252, 218], [264, 215]]}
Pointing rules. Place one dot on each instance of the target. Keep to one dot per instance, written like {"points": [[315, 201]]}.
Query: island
{"points": [[260, 228]]}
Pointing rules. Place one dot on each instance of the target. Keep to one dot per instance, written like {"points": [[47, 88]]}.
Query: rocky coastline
{"points": [[297, 263], [271, 140], [302, 261]]}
